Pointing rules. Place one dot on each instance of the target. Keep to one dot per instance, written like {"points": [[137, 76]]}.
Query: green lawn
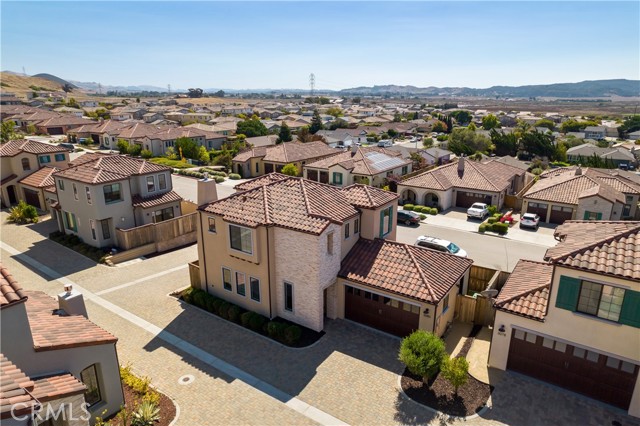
{"points": [[176, 164]]}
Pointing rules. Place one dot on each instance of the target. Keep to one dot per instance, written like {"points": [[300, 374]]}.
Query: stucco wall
{"points": [[348, 243], [74, 412], [370, 222], [597, 205]]}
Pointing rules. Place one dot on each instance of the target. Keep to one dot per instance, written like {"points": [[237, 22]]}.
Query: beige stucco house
{"points": [[292, 248], [574, 320], [20, 160], [100, 193], [53, 357]]}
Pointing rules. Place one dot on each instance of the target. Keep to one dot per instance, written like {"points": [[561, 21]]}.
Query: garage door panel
{"points": [[538, 208], [31, 197], [466, 198], [380, 312], [559, 214]]}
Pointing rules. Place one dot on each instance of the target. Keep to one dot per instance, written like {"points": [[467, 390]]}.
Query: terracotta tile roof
{"points": [[173, 133], [287, 152], [108, 168], [138, 131], [54, 387], [107, 126], [368, 197], [40, 178], [13, 389], [10, 291], [605, 247], [51, 189], [156, 200], [86, 158], [52, 331], [64, 120], [15, 147], [492, 176], [526, 291], [260, 181], [8, 179], [407, 270], [365, 161], [292, 203]]}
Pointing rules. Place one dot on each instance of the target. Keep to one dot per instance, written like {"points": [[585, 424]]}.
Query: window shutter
{"points": [[390, 218], [568, 292], [586, 215], [630, 312], [381, 223], [598, 216]]}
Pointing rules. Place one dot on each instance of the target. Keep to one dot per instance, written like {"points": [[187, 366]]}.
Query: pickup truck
{"points": [[478, 211]]}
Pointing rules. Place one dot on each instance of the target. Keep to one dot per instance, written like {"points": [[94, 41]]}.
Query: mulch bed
{"points": [[439, 394], [131, 399]]}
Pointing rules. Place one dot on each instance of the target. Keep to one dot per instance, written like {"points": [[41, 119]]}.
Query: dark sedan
{"points": [[408, 217]]}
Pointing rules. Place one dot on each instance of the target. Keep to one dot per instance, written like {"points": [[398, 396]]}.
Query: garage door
{"points": [[55, 130], [378, 311], [538, 208], [466, 199], [31, 197], [596, 375], [560, 214]]}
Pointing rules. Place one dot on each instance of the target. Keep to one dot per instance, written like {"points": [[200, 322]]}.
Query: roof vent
{"points": [[578, 170]]}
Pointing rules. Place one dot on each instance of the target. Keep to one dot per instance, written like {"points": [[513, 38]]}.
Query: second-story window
{"points": [[26, 164], [61, 184], [87, 191], [112, 193], [600, 300], [356, 226], [162, 181], [75, 191], [241, 239], [386, 221], [212, 224], [45, 159], [346, 230], [59, 157], [330, 243], [151, 184]]}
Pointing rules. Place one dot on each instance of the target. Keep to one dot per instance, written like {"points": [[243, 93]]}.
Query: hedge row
{"points": [[195, 174], [75, 243], [277, 330], [234, 176], [498, 227], [421, 209], [213, 172]]}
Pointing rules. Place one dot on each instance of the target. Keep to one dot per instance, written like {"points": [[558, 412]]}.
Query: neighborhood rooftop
{"points": [[15, 147], [526, 291], [109, 168]]}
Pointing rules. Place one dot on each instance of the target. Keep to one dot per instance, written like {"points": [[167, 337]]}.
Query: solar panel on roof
{"points": [[380, 161]]}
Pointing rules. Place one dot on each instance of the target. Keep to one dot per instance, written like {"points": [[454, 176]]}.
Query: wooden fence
{"points": [[479, 278], [194, 274], [478, 310], [513, 202]]}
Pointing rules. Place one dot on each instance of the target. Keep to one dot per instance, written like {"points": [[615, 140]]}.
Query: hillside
{"points": [[53, 78], [20, 84]]}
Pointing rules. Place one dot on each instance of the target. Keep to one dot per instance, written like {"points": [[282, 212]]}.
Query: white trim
{"points": [[359, 287], [222, 268], [259, 290], [243, 283], [229, 225]]}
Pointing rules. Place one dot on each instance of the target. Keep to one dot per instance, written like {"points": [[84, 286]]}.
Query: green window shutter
{"points": [[568, 292], [598, 216], [630, 312], [390, 218], [586, 215], [381, 223]]}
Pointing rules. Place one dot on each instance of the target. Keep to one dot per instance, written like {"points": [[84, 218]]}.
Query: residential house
{"points": [[223, 128], [61, 124], [88, 104], [100, 193], [22, 158], [573, 320], [237, 109], [336, 138], [595, 132], [255, 162], [463, 183], [159, 142], [437, 156], [104, 133], [575, 193], [68, 110], [150, 117], [300, 250], [368, 166], [259, 141], [634, 136], [54, 358]]}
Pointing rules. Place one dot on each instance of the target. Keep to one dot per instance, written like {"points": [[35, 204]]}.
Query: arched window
{"points": [[26, 165], [89, 376]]}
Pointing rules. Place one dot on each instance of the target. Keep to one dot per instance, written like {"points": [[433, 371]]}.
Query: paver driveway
{"points": [[351, 374]]}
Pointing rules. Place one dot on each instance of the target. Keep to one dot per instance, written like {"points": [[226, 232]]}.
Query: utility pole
{"points": [[312, 83], [23, 71], [169, 89]]}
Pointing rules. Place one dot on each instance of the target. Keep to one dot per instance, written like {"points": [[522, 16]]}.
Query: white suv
{"points": [[440, 245]]}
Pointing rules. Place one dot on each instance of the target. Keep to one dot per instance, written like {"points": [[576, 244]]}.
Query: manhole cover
{"points": [[187, 379]]}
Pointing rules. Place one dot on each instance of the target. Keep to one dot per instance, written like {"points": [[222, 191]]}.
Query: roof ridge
{"points": [[305, 197], [477, 169], [265, 200], [524, 293], [415, 262], [606, 240], [366, 191]]}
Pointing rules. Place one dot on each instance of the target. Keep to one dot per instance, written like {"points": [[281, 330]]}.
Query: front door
{"points": [[11, 190], [32, 198]]}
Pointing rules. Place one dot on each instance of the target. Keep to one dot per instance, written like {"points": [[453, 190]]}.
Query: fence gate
{"points": [[478, 310]]}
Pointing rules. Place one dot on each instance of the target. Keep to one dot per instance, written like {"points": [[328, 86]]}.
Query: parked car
{"points": [[385, 143], [408, 217], [530, 220], [478, 211], [440, 245], [68, 146]]}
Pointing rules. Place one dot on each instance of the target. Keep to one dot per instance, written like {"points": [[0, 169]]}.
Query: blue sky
{"points": [[345, 44]]}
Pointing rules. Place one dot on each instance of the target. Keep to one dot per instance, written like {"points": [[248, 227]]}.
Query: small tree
{"points": [[145, 153], [455, 371], [188, 147], [285, 133], [123, 146], [134, 150], [203, 155], [170, 153], [316, 123], [31, 129], [490, 122], [8, 132], [290, 169], [23, 213], [422, 353]]}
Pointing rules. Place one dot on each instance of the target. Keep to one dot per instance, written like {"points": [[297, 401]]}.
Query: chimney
{"points": [[461, 164], [207, 192], [578, 170], [71, 302], [354, 148]]}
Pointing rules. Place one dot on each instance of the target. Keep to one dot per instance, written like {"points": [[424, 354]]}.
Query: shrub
{"points": [[234, 313], [455, 371], [219, 179], [482, 228], [217, 305], [498, 216], [145, 153], [425, 209], [275, 329], [211, 301], [146, 414], [492, 210], [200, 298], [257, 322], [246, 318], [408, 207], [234, 176], [491, 220], [423, 216], [292, 334], [500, 228], [224, 309], [537, 171], [23, 213], [418, 208], [433, 211], [422, 353]]}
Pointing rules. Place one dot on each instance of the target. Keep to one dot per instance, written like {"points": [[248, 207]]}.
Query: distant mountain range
{"points": [[583, 89]]}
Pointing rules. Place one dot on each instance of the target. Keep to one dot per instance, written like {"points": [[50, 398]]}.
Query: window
{"points": [[578, 352], [531, 338], [547, 343], [106, 233], [241, 239], [405, 170], [593, 356], [346, 230], [330, 243], [240, 283], [254, 283], [93, 228], [61, 184], [164, 214], [75, 192], [600, 300], [356, 226], [385, 221], [288, 297], [70, 221], [445, 304], [87, 191], [162, 181], [26, 164], [112, 193], [257, 167], [561, 347], [151, 184], [613, 362], [212, 224], [519, 334], [89, 376], [226, 279], [59, 157], [337, 178], [592, 216], [628, 367], [45, 159]]}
